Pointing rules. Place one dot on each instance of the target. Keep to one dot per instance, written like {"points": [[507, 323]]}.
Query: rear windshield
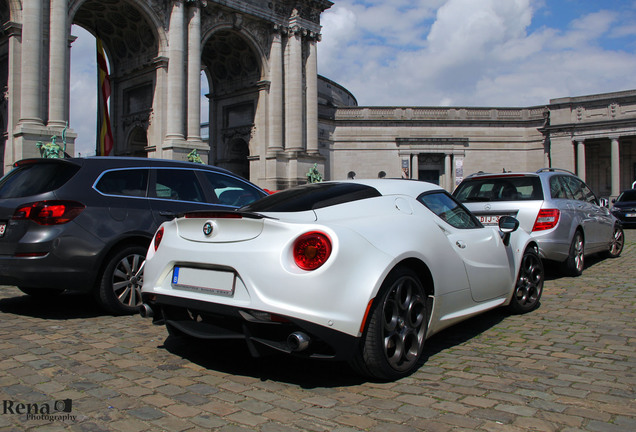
{"points": [[629, 195], [35, 178], [502, 188], [311, 197]]}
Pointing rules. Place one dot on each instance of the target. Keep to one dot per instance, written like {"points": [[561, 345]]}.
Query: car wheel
{"points": [[576, 259], [529, 284], [120, 284], [616, 244], [393, 342], [41, 292]]}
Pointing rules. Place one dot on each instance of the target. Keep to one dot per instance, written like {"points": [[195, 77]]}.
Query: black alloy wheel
{"points": [[393, 343], [529, 286]]}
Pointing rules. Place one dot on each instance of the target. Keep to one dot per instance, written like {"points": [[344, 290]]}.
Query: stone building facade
{"points": [[259, 58], [271, 116], [593, 136]]}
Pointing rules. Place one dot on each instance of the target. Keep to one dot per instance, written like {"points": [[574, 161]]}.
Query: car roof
{"points": [[104, 162], [408, 187], [544, 171]]}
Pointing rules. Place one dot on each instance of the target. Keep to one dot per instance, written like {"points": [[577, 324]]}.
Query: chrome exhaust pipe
{"points": [[146, 311], [298, 341]]}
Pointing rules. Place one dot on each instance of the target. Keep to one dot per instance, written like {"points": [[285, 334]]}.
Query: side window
{"points": [[576, 188], [588, 194], [178, 185], [230, 191], [557, 188], [444, 206], [126, 182]]}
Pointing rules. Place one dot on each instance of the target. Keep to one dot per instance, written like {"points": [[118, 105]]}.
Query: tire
{"points": [[529, 285], [392, 345], [119, 290], [575, 262], [41, 292], [616, 244]]}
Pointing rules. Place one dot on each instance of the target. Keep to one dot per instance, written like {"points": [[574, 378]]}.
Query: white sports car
{"points": [[362, 271]]}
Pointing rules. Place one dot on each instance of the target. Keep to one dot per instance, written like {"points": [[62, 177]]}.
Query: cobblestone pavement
{"points": [[568, 366]]}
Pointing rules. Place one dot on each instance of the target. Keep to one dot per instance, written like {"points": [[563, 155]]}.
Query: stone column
{"points": [[194, 74], [615, 168], [448, 171], [580, 158], [294, 92], [176, 73], [311, 96], [58, 64], [415, 166], [276, 119], [31, 65]]}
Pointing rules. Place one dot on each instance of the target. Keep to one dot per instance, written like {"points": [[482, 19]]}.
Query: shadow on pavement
{"points": [[63, 306], [233, 357]]}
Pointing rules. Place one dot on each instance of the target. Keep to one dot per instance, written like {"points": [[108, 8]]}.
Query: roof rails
{"points": [[555, 170]]}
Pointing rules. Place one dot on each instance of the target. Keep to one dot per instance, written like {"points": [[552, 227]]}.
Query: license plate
{"points": [[3, 228], [203, 281], [489, 220], [630, 214]]}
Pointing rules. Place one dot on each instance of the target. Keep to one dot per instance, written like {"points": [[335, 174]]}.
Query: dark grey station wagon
{"points": [[84, 224]]}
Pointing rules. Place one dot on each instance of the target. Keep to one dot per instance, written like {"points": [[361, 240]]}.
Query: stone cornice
{"points": [[441, 115]]}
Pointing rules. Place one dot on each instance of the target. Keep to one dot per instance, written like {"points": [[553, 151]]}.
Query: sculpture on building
{"points": [[193, 156], [314, 176], [51, 149]]}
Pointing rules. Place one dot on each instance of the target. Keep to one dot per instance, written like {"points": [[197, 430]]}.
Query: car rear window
{"points": [[499, 188], [30, 179], [627, 196], [312, 196]]}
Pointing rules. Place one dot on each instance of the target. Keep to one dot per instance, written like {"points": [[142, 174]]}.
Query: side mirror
{"points": [[604, 202], [507, 225]]}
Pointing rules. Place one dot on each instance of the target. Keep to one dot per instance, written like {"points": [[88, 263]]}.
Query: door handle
{"points": [[460, 244]]}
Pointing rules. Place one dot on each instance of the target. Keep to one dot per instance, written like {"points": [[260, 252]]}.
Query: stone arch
{"points": [[233, 65], [133, 38]]}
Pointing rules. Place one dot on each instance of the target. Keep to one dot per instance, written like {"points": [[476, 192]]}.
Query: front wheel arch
{"points": [[392, 343]]}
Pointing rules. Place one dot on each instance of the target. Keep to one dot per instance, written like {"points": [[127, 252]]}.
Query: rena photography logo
{"points": [[58, 410]]}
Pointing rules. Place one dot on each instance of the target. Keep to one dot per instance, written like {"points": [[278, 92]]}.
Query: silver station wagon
{"points": [[556, 207]]}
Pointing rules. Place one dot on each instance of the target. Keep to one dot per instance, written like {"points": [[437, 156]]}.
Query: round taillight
{"points": [[311, 250], [158, 238]]}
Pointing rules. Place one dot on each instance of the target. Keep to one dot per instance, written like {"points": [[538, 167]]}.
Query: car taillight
{"points": [[158, 238], [311, 250], [49, 212], [546, 219]]}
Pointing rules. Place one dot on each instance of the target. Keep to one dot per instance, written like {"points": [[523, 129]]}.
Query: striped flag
{"points": [[104, 132]]}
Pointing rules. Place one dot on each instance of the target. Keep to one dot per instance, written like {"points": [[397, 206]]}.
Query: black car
{"points": [[84, 224], [624, 208]]}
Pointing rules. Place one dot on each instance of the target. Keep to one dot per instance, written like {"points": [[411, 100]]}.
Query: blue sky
{"points": [[447, 53]]}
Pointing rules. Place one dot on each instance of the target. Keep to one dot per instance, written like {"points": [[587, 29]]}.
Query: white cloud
{"points": [[474, 52]]}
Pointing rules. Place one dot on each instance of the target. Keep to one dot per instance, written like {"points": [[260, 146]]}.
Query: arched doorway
{"points": [[130, 42], [233, 72]]}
